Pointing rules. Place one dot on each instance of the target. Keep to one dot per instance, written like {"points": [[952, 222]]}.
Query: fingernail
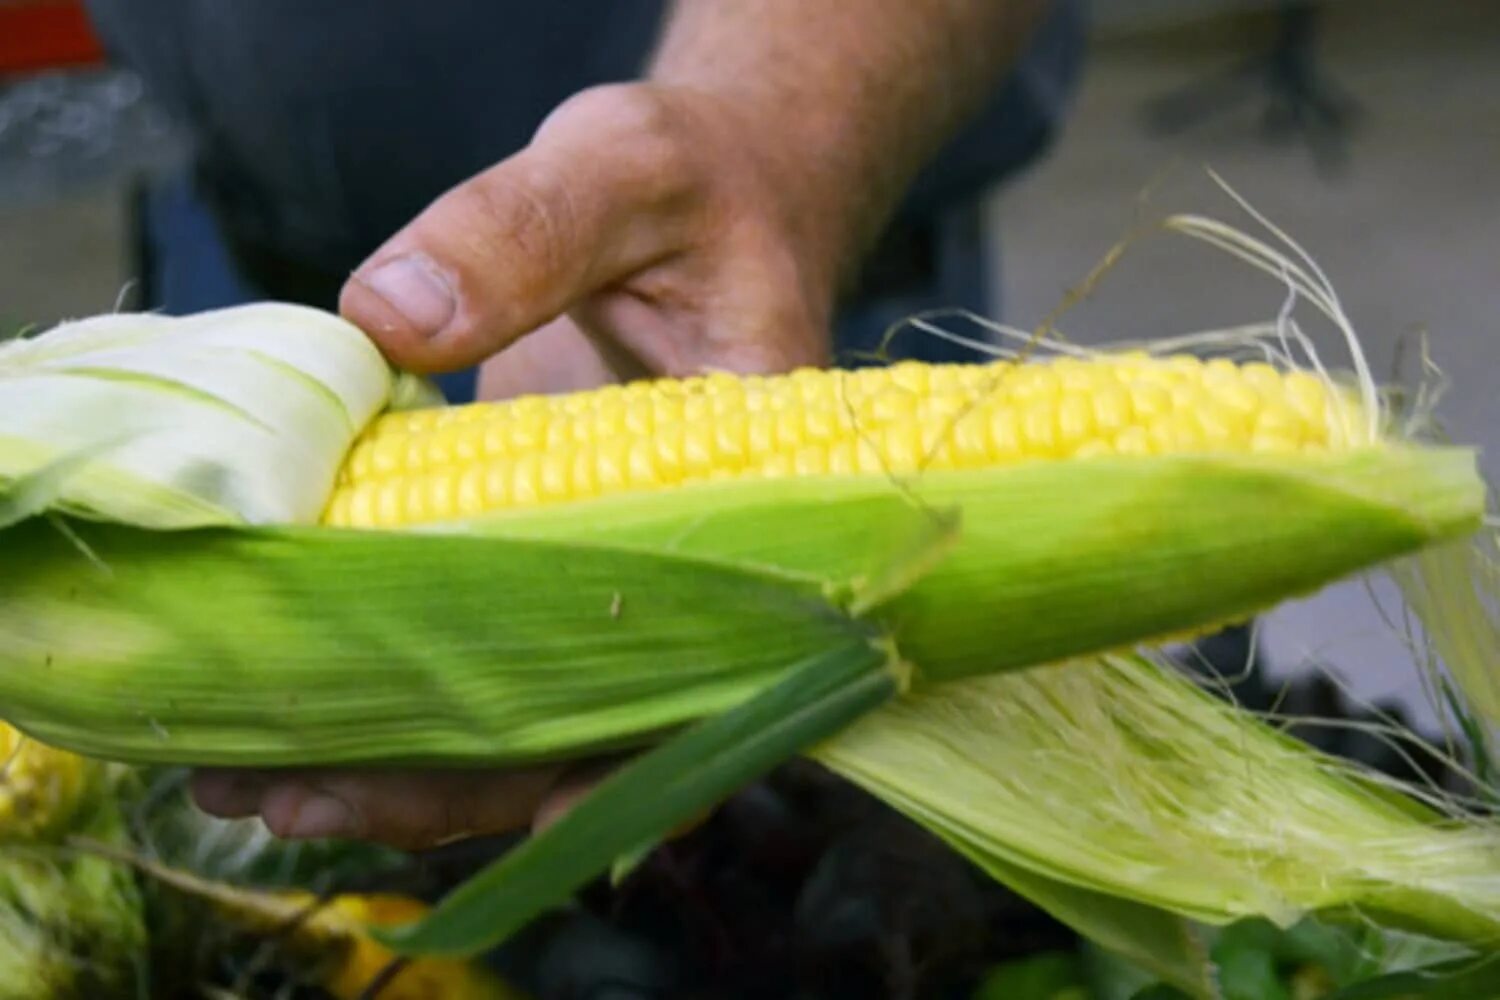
{"points": [[321, 816], [416, 288]]}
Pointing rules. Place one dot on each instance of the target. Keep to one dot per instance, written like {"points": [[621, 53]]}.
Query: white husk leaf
{"points": [[236, 415]]}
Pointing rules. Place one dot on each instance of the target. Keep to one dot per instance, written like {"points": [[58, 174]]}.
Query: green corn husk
{"points": [[572, 629], [1187, 805]]}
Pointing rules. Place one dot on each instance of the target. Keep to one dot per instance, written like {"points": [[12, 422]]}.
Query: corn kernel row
{"points": [[442, 463]]}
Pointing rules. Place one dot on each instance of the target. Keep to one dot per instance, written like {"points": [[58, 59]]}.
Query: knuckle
{"points": [[648, 132], [629, 108]]}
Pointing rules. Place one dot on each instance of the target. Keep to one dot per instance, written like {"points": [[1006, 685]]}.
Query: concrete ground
{"points": [[1409, 233]]}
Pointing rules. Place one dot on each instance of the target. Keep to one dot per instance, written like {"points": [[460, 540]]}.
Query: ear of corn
{"points": [[546, 607], [42, 789]]}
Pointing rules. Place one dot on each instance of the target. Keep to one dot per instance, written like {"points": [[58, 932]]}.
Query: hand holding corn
{"points": [[699, 221]]}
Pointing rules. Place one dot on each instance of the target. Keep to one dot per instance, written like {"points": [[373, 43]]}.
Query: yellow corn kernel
{"points": [[698, 408], [526, 480], [1273, 442], [760, 433], [1306, 395], [1264, 378], [554, 480], [469, 493], [1184, 365], [909, 375], [585, 472], [1075, 374], [791, 429], [1239, 397], [970, 442], [893, 405], [1133, 441], [494, 441], [1039, 428], [414, 505], [698, 451], [1005, 432], [390, 509], [1075, 421], [442, 496], [1279, 420], [1112, 410], [1033, 382], [611, 464], [497, 480], [901, 447], [810, 460], [842, 458], [388, 454], [868, 458], [666, 409], [900, 420], [1149, 399], [776, 467]]}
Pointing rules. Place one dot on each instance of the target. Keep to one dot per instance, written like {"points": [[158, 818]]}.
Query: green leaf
{"points": [[1152, 939], [1463, 979], [299, 647], [652, 795], [1047, 548], [1048, 976], [1246, 956], [1160, 991]]}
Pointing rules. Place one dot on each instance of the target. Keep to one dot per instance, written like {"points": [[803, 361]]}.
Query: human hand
{"points": [[408, 809], [642, 232], [658, 224]]}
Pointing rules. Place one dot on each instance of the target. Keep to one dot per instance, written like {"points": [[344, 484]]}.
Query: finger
{"points": [[409, 810], [598, 194], [228, 794], [557, 358], [571, 788]]}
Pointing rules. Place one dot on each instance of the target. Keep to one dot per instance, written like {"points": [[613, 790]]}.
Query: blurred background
{"points": [[1372, 136]]}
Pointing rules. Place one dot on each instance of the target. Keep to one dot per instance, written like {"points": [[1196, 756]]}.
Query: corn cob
{"points": [[41, 788], [70, 926], [441, 464]]}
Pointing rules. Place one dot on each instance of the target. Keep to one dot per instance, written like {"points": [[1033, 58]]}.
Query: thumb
{"points": [[596, 196]]}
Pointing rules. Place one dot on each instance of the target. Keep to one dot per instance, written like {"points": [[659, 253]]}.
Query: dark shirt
{"points": [[323, 126]]}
